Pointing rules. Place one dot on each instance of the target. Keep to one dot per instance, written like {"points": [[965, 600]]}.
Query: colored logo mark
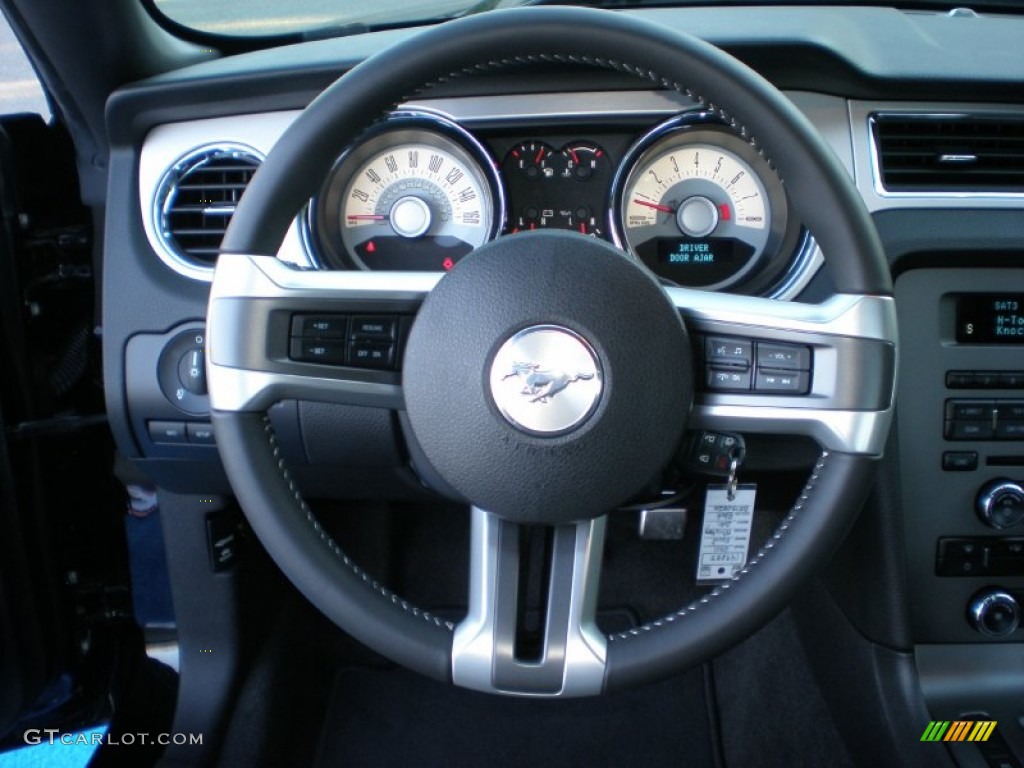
{"points": [[958, 730]]}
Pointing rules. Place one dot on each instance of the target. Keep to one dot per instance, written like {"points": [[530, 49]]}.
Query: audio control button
{"points": [[994, 612], [1000, 504], [960, 461], [969, 410], [969, 430], [1010, 430]]}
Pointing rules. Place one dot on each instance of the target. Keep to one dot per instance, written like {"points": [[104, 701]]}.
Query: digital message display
{"points": [[990, 318]]}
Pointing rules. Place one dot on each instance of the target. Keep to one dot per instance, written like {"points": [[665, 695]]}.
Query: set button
{"points": [[360, 341]]}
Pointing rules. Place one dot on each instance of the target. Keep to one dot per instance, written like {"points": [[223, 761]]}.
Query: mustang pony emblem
{"points": [[542, 385]]}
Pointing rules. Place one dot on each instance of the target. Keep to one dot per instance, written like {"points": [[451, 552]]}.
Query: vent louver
{"points": [[950, 153], [197, 198]]}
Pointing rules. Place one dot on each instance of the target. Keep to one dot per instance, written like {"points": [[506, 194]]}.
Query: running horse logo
{"points": [[541, 385]]}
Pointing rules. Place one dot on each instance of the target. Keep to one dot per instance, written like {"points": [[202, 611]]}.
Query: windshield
{"points": [[272, 17]]}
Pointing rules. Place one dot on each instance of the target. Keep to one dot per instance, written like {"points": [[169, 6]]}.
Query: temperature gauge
{"points": [[582, 161], [557, 189]]}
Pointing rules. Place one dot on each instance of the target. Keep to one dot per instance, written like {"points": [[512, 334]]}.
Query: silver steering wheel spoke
{"points": [[570, 658], [250, 333], [836, 342]]}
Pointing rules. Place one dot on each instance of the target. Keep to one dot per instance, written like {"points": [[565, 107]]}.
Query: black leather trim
{"points": [[345, 593], [801, 546]]}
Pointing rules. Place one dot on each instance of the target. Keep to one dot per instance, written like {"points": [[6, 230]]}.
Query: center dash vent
{"points": [[197, 197], [950, 153]]}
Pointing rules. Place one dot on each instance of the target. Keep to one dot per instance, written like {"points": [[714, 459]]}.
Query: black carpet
{"points": [[397, 718]]}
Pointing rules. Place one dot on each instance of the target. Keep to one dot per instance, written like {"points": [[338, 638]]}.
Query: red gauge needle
{"points": [[366, 217], [655, 206]]}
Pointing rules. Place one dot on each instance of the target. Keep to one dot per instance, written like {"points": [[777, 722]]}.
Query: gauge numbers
{"points": [[414, 198], [696, 207]]}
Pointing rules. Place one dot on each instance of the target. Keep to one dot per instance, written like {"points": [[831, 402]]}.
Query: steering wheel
{"points": [[537, 302]]}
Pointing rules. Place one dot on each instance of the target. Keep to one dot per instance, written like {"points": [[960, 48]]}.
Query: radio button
{"points": [[1010, 430], [960, 461], [969, 410], [1011, 410], [1011, 380], [969, 430], [986, 380], [960, 380]]}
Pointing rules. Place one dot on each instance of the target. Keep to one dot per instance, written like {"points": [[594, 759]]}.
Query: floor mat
{"points": [[395, 718]]}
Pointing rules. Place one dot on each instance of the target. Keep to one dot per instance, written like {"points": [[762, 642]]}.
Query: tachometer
{"points": [[699, 206], [410, 198]]}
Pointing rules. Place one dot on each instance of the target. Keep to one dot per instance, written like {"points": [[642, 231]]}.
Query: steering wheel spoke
{"points": [[819, 351], [568, 656], [278, 310]]}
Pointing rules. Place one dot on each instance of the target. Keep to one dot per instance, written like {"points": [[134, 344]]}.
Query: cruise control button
{"points": [[366, 354], [788, 382], [319, 326], [374, 327], [318, 351], [789, 357], [166, 431], [728, 379], [723, 351]]}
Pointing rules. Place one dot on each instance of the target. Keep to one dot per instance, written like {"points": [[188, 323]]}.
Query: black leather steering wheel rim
{"points": [[819, 189]]}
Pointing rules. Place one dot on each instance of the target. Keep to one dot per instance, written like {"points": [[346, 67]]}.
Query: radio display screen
{"points": [[990, 318]]}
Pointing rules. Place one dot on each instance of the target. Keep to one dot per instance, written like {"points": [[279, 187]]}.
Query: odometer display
{"points": [[697, 262]]}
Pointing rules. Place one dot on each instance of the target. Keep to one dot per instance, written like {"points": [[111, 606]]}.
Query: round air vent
{"points": [[195, 201]]}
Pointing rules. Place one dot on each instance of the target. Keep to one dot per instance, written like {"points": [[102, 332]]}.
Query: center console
{"points": [[961, 430], [961, 452]]}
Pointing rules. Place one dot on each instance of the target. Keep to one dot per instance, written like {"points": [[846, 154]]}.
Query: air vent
{"points": [[196, 200], [950, 153]]}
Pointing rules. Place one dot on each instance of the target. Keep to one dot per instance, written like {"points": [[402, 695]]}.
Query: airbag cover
{"points": [[563, 434]]}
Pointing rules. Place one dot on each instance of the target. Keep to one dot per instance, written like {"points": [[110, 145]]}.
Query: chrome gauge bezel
{"points": [[324, 232], [787, 248]]}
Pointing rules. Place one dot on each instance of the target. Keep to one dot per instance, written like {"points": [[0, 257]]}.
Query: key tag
{"points": [[725, 534]]}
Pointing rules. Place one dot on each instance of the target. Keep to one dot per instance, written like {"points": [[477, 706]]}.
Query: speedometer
{"points": [[412, 198], [699, 206]]}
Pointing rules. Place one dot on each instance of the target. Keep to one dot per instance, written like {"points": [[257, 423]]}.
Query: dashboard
{"points": [[652, 172]]}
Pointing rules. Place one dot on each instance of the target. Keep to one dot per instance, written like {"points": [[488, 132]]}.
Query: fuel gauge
{"points": [[531, 160]]}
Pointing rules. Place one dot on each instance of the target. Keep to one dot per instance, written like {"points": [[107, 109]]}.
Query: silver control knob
{"points": [[1000, 504], [994, 612]]}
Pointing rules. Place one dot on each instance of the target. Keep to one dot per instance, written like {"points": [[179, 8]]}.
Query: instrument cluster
{"points": [[691, 200]]}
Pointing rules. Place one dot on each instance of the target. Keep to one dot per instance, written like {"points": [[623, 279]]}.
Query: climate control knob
{"points": [[1000, 504], [994, 612]]}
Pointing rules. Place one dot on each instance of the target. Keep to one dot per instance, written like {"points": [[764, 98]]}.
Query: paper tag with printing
{"points": [[725, 535]]}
